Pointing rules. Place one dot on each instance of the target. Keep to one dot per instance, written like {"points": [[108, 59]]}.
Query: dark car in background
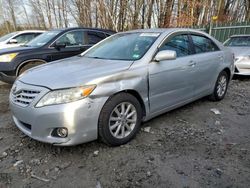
{"points": [[49, 46]]}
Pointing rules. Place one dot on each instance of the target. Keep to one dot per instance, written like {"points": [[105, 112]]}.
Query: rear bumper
{"points": [[6, 78], [243, 72]]}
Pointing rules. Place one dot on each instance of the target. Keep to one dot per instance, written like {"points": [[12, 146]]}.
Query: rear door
{"points": [[75, 42], [208, 57], [172, 81]]}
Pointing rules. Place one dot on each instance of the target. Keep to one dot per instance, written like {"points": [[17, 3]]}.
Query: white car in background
{"points": [[18, 38], [240, 45]]}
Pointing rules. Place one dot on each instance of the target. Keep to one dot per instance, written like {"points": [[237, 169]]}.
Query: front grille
{"points": [[24, 97]]}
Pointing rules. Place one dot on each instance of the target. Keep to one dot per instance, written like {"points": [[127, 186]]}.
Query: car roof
{"points": [[156, 30], [31, 31], [243, 35], [167, 30], [84, 28]]}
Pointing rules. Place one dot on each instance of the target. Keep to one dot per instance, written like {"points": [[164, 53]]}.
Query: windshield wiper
{"points": [[95, 57]]}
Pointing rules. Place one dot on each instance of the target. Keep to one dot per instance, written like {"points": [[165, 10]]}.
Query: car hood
{"points": [[15, 50], [72, 72], [240, 51], [3, 46]]}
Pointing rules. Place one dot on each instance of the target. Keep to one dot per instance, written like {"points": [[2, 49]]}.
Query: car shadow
{"points": [[241, 77]]}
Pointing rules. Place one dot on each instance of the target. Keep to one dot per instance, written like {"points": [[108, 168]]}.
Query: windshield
{"points": [[42, 39], [124, 46], [5, 37], [238, 41]]}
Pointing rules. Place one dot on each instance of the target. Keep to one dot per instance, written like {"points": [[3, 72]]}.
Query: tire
{"points": [[28, 66], [220, 88], [110, 120]]}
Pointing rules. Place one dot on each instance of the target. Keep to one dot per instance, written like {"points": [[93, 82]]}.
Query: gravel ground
{"points": [[187, 147]]}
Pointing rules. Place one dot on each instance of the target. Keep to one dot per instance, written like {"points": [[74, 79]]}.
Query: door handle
{"points": [[191, 64]]}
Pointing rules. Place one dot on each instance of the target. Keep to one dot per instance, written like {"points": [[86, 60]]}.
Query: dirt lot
{"points": [[188, 147]]}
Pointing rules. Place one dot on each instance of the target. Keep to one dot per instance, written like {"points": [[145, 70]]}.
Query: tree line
{"points": [[118, 15]]}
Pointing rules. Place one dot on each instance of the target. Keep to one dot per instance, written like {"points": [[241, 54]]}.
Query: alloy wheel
{"points": [[222, 86], [122, 120]]}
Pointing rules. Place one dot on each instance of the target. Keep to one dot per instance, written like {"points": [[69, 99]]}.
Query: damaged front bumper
{"points": [[79, 117]]}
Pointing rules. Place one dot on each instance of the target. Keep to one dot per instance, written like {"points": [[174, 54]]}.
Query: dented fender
{"points": [[135, 79]]}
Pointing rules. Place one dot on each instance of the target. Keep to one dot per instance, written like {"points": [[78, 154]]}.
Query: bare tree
{"points": [[37, 11], [64, 11], [119, 15], [10, 5], [48, 12], [247, 6]]}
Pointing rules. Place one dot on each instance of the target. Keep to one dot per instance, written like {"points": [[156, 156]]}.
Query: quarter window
{"points": [[203, 44], [180, 44], [74, 38]]}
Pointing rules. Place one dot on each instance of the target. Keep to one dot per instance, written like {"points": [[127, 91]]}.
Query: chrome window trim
{"points": [[173, 33], [219, 49], [188, 32]]}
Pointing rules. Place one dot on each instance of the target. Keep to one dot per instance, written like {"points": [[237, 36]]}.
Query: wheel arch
{"points": [[227, 70], [137, 96], [21, 65]]}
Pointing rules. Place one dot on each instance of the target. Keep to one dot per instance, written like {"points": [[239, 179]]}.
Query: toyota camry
{"points": [[109, 90]]}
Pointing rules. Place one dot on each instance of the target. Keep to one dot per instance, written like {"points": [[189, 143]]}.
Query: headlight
{"points": [[65, 95], [6, 58]]}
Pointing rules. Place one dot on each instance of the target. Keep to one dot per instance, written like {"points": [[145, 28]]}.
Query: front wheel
{"points": [[221, 86], [120, 119]]}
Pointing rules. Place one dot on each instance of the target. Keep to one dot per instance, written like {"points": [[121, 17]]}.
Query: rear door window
{"points": [[203, 44], [180, 44], [95, 37]]}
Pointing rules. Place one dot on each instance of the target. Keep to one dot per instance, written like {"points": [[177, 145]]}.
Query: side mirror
{"points": [[165, 55], [12, 41], [59, 45]]}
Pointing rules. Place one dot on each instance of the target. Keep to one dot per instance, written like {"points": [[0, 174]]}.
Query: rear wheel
{"points": [[221, 86], [120, 119], [28, 66]]}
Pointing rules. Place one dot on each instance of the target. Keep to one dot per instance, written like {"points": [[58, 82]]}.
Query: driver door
{"points": [[171, 82]]}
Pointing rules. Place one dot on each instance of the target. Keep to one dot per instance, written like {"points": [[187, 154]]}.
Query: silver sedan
{"points": [[129, 78], [240, 45]]}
